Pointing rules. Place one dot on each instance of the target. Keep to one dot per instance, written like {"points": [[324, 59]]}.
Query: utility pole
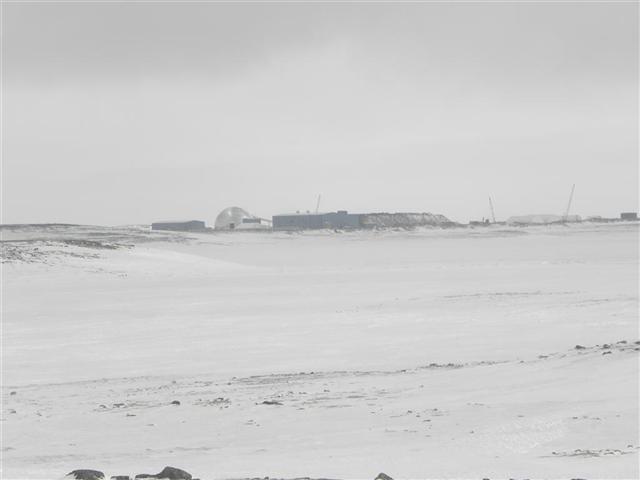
{"points": [[493, 214], [566, 212]]}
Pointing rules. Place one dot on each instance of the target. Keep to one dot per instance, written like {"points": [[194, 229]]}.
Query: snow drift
{"points": [[404, 220]]}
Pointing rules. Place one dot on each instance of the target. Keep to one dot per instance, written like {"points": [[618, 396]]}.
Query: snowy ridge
{"points": [[403, 220]]}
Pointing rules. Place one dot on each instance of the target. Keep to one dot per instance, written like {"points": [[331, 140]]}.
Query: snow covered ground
{"points": [[426, 354]]}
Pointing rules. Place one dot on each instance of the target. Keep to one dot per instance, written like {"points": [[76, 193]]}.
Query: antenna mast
{"points": [[566, 213], [493, 214], [318, 204]]}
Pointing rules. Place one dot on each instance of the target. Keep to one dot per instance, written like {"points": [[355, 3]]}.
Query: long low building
{"points": [[345, 220], [316, 221], [180, 226]]}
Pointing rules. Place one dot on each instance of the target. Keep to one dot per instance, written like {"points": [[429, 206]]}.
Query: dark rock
{"points": [[121, 477], [606, 353], [90, 244], [383, 476], [13, 393], [175, 402], [271, 402], [170, 473], [579, 347], [86, 475], [174, 474]]}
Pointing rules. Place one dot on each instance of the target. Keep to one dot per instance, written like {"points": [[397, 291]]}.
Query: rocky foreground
{"points": [[172, 473], [169, 473], [434, 353]]}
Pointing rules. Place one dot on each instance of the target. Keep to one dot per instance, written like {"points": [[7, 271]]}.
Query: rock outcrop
{"points": [[170, 473], [383, 476], [84, 474]]}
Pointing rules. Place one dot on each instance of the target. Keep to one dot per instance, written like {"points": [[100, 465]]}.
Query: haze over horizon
{"points": [[132, 113]]}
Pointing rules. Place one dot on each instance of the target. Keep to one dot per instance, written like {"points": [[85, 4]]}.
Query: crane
{"points": [[493, 214], [566, 212]]}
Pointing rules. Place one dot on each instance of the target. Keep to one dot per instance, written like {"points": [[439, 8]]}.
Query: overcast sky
{"points": [[129, 113]]}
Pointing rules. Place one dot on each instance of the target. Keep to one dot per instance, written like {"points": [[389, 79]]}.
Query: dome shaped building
{"points": [[236, 218]]}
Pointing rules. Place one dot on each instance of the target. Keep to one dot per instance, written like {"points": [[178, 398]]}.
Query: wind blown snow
{"points": [[322, 354]]}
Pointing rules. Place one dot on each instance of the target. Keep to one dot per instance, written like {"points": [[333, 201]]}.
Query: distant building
{"points": [[544, 219], [185, 226], [315, 221], [601, 219], [345, 220], [629, 216], [477, 223], [236, 218]]}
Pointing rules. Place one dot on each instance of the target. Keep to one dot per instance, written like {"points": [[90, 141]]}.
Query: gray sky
{"points": [[129, 113]]}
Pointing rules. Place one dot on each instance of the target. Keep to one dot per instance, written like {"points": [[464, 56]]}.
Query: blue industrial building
{"points": [[315, 221]]}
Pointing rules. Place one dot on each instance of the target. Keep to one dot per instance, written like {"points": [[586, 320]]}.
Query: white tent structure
{"points": [[236, 218]]}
